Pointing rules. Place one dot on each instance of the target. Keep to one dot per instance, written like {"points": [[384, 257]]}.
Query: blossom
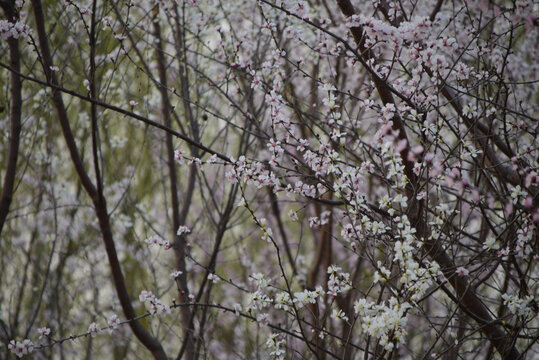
{"points": [[176, 273], [263, 318], [231, 176], [237, 309], [516, 193], [339, 315], [212, 159], [154, 240], [257, 300], [293, 215], [113, 322], [146, 296], [13, 30], [282, 301], [276, 346], [242, 202], [338, 282], [183, 230], [383, 320], [305, 297], [93, 329], [43, 332], [519, 306], [460, 271], [196, 161], [260, 280], [152, 303], [21, 348], [178, 156]]}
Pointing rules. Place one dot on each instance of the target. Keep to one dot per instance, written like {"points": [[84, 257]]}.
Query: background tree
{"points": [[254, 179]]}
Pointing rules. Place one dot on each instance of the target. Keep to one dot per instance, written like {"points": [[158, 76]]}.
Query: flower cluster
{"points": [[21, 348], [305, 297], [152, 303], [276, 346], [519, 306], [339, 281], [113, 321], [13, 30], [93, 329], [524, 238], [156, 240], [258, 299], [183, 230], [43, 332], [385, 322]]}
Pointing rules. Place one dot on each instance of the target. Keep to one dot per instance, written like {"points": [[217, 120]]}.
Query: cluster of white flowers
{"points": [[267, 232], [156, 240], [21, 348], [338, 314], [178, 156], [416, 277], [258, 299], [43, 332], [152, 303], [393, 162], [339, 281], [259, 280], [305, 297], [524, 237], [382, 274], [183, 230], [519, 306], [385, 322], [276, 346], [213, 278], [517, 193], [93, 329], [13, 30], [282, 301], [114, 322]]}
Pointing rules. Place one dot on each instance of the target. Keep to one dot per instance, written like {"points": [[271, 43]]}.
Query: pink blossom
{"points": [[460, 271], [93, 329]]}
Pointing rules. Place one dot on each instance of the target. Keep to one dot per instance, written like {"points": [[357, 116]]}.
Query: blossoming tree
{"points": [[269, 179]]}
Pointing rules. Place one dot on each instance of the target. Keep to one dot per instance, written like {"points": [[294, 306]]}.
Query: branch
{"points": [[57, 88], [177, 218]]}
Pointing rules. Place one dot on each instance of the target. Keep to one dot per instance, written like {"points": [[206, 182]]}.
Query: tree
{"points": [[269, 179]]}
